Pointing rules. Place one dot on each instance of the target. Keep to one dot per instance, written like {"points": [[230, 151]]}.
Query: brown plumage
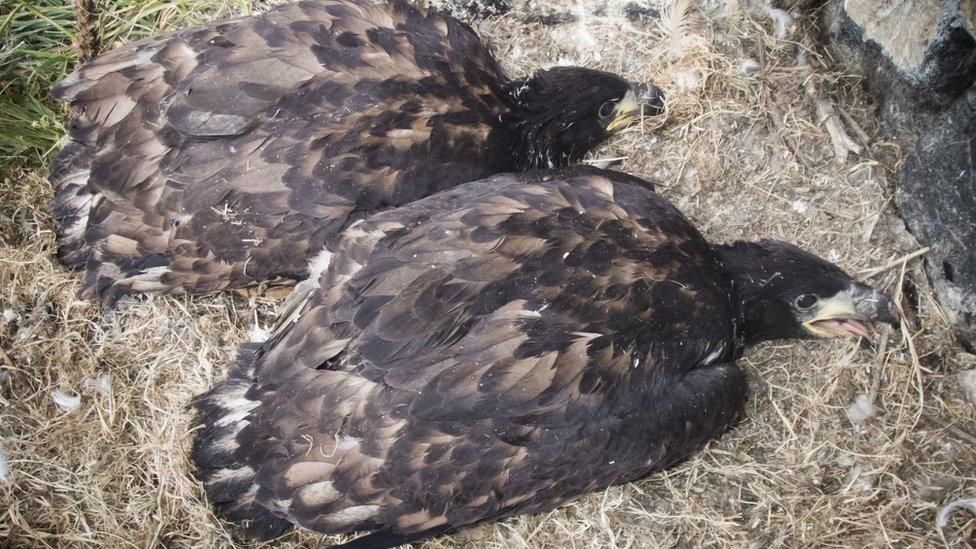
{"points": [[227, 154], [501, 348]]}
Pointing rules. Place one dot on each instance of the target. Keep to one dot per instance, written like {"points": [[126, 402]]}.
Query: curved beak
{"points": [[640, 100], [845, 313]]}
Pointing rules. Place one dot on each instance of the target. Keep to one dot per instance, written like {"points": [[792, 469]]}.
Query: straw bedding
{"points": [[844, 444]]}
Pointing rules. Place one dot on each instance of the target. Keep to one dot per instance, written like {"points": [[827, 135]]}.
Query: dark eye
{"points": [[806, 301], [607, 109]]}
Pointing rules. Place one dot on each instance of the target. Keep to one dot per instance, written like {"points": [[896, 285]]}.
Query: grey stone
{"points": [[917, 56], [642, 13], [466, 9], [918, 59], [937, 199]]}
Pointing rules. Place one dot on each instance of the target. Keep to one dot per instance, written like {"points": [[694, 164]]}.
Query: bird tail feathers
{"points": [[217, 453], [73, 199]]}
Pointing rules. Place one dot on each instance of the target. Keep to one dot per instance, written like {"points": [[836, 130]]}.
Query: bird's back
{"points": [[498, 348], [225, 154]]}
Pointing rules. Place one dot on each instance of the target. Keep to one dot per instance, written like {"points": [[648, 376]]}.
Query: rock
{"points": [[641, 13], [937, 199], [549, 15], [917, 56], [918, 59], [474, 8]]}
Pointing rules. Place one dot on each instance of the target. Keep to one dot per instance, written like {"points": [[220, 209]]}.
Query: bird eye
{"points": [[806, 301], [607, 109]]}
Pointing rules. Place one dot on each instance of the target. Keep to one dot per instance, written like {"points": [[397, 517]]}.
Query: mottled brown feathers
{"points": [[498, 348], [230, 153], [307, 139]]}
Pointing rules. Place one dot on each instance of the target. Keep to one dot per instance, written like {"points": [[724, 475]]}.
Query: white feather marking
{"points": [[713, 356], [237, 410], [319, 263], [227, 474], [247, 498], [352, 515], [603, 184], [149, 280], [81, 205], [347, 443], [318, 493], [585, 335], [229, 443]]}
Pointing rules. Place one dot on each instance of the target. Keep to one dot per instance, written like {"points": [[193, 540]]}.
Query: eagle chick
{"points": [[502, 348], [222, 155]]}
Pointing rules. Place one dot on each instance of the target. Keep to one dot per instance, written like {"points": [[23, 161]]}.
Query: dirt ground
{"points": [[845, 444]]}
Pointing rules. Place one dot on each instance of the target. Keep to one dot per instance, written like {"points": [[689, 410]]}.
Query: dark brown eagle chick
{"points": [[502, 348], [224, 155]]}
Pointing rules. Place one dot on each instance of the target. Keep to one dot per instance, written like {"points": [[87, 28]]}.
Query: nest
{"points": [[843, 444]]}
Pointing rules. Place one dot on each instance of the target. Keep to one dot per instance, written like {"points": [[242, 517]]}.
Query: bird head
{"points": [[785, 292], [563, 112]]}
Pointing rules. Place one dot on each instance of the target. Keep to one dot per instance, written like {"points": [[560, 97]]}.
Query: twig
{"points": [[964, 435], [882, 363], [862, 136], [5, 358], [777, 117], [868, 273], [843, 144]]}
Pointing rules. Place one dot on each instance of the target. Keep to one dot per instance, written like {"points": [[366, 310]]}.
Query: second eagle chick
{"points": [[502, 348]]}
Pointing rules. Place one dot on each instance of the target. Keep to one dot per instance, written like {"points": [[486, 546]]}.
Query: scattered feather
{"points": [[860, 410], [9, 315], [101, 383], [688, 80], [946, 510], [259, 334], [967, 380], [782, 22], [65, 401], [750, 67], [203, 365], [676, 19], [4, 468], [800, 206]]}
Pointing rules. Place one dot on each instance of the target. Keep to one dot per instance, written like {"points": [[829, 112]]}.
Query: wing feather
{"points": [[401, 393], [237, 141]]}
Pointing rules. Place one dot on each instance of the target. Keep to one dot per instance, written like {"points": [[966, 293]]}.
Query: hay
{"points": [[742, 153]]}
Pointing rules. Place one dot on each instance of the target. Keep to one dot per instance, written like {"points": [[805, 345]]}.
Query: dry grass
{"points": [[114, 471]]}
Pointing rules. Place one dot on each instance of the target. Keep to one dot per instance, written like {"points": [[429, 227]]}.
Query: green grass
{"points": [[36, 51]]}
